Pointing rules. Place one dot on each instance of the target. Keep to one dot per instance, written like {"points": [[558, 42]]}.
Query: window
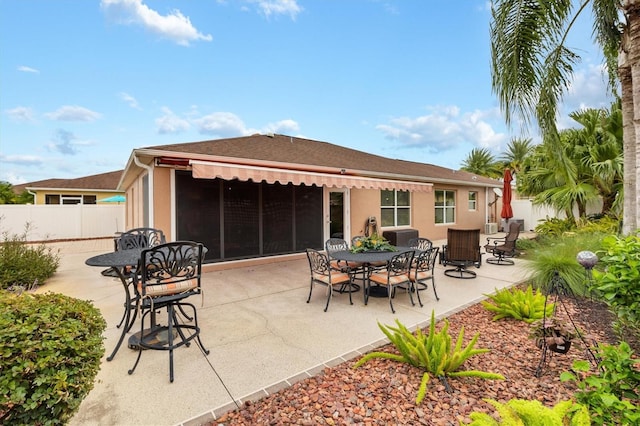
{"points": [[71, 199], [52, 199], [88, 199], [445, 206], [395, 208], [473, 200]]}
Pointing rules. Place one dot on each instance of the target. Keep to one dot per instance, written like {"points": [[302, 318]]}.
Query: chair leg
{"points": [[433, 284], [170, 318], [329, 297], [414, 286], [310, 290], [390, 292]]}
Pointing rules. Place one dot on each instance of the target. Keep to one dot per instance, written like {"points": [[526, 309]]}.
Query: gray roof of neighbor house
{"points": [[100, 182], [288, 151]]}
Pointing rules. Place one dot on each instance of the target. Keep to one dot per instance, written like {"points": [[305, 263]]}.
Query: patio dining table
{"points": [[119, 261], [369, 260]]}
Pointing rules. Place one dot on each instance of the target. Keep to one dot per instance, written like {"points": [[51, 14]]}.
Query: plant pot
{"points": [[561, 348]]}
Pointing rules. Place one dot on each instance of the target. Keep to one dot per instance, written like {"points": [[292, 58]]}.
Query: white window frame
{"points": [[473, 202], [395, 207], [444, 207]]}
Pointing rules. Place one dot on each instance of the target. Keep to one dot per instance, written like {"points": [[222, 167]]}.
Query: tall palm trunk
{"points": [[629, 69]]}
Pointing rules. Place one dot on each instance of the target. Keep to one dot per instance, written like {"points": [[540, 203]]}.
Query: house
{"points": [[264, 195], [84, 190]]}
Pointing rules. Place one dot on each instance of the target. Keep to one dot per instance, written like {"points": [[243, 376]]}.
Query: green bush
{"points": [[524, 305], [617, 279], [554, 227], [432, 352], [612, 394], [49, 356], [25, 265], [532, 413]]}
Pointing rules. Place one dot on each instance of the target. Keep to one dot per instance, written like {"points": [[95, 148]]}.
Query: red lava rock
{"points": [[383, 392]]}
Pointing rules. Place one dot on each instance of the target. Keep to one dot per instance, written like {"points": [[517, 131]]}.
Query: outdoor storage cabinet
{"points": [[400, 237]]}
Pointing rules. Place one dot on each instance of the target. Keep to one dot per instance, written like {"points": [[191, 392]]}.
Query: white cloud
{"points": [[278, 7], [133, 102], [588, 89], [24, 68], [283, 127], [222, 124], [444, 129], [21, 114], [25, 160], [174, 26], [73, 113], [170, 123]]}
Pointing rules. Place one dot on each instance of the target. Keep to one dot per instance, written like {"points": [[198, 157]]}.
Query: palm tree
{"points": [[531, 69], [517, 151], [585, 165], [481, 162]]}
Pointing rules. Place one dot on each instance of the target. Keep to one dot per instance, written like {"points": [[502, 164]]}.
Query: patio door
{"points": [[337, 213]]}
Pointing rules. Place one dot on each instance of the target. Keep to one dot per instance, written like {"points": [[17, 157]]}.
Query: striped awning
{"points": [[212, 170]]}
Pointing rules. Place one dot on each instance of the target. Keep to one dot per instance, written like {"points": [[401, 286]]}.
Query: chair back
{"points": [[511, 238], [171, 269], [335, 244], [140, 238], [463, 245], [400, 264], [318, 263], [426, 260], [420, 243]]}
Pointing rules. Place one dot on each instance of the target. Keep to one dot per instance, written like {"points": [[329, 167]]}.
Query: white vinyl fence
{"points": [[61, 222]]}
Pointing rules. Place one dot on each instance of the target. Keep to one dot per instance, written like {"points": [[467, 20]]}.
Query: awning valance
{"points": [[212, 170]]}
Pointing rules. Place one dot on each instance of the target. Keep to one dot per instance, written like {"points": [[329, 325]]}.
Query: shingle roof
{"points": [[103, 181], [294, 150]]}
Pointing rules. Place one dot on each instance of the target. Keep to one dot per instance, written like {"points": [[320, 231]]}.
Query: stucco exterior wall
{"points": [[464, 218], [162, 197]]}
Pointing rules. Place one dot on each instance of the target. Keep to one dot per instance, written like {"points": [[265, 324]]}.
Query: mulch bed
{"points": [[383, 392]]}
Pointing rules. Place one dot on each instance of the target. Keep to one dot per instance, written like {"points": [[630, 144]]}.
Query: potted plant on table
{"points": [[556, 333], [374, 242]]}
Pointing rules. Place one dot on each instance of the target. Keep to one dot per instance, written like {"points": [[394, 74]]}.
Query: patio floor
{"points": [[261, 334]]}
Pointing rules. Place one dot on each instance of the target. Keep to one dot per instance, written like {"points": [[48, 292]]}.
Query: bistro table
{"points": [[120, 261], [369, 259]]}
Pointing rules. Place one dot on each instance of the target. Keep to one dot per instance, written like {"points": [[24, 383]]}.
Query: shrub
{"points": [[558, 255], [49, 357], [555, 227], [25, 265], [530, 413], [524, 305], [432, 352], [619, 282], [612, 394]]}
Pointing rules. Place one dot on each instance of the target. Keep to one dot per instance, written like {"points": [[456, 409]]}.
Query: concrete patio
{"points": [[261, 334]]}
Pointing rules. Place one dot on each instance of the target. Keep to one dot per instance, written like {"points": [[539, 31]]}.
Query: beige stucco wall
{"points": [[365, 203], [162, 200]]}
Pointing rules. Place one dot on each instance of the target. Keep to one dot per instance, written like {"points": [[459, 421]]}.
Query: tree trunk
{"points": [[629, 68]]}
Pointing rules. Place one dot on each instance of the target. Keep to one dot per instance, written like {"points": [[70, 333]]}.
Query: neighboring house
{"points": [[266, 195], [84, 190]]}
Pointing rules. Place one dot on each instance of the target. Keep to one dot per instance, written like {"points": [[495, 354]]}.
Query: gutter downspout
{"points": [[34, 196], [149, 170]]}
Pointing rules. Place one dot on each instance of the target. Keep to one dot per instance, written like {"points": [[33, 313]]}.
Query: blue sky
{"points": [[83, 83]]}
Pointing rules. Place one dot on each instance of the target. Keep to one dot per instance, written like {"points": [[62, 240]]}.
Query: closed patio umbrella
{"points": [[507, 212]]}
